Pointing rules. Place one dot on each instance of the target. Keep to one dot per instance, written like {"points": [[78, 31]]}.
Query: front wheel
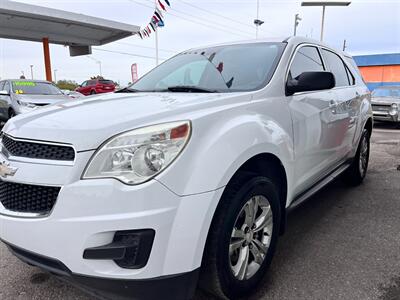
{"points": [[242, 238], [357, 171], [11, 113]]}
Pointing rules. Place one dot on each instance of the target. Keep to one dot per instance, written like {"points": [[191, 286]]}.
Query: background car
{"points": [[96, 86], [386, 103], [21, 96], [72, 94]]}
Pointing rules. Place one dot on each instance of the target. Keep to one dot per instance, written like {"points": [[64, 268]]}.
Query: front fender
{"points": [[220, 144]]}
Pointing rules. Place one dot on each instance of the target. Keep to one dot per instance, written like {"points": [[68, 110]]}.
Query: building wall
{"points": [[376, 76], [379, 69]]}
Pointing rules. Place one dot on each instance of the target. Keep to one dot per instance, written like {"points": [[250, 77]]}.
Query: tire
{"points": [[11, 113], [357, 171], [221, 274], [93, 92]]}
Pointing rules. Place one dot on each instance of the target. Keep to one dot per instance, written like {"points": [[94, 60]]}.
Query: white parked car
{"points": [[187, 175]]}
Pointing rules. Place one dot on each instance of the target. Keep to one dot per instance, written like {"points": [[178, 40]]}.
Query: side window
{"points": [[307, 59], [84, 84], [337, 67], [91, 82], [1, 85]]}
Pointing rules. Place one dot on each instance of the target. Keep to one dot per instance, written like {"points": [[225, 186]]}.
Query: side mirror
{"points": [[4, 93], [310, 81]]}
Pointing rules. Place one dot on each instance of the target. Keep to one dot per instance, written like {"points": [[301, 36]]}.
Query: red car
{"points": [[96, 86]]}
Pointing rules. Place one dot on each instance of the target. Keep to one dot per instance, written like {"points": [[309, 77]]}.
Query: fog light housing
{"points": [[129, 249]]}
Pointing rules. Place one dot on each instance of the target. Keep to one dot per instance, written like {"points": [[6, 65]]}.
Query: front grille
{"points": [[380, 108], [38, 150], [27, 198]]}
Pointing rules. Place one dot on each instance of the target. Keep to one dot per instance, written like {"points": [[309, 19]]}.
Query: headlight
{"points": [[26, 104], [394, 109], [138, 155]]}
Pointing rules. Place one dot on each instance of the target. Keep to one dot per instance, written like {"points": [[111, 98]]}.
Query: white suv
{"points": [[186, 176]]}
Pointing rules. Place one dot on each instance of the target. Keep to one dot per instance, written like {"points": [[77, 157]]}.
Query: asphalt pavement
{"points": [[344, 243]]}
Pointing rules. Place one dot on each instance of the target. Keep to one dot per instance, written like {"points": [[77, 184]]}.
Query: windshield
{"points": [[35, 88], [235, 68], [388, 92]]}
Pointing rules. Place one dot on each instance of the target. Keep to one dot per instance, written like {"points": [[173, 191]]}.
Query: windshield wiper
{"points": [[127, 90], [189, 89]]}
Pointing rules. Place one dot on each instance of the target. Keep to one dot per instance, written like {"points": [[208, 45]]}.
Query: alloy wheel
{"points": [[251, 237]]}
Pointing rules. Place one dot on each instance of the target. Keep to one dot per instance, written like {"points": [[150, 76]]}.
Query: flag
{"points": [[161, 5], [155, 20], [158, 15], [152, 26], [160, 24]]}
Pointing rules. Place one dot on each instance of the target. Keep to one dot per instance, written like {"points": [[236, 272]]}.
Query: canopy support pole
{"points": [[47, 64]]}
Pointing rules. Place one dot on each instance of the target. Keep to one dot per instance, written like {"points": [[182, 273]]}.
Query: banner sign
{"points": [[134, 70]]}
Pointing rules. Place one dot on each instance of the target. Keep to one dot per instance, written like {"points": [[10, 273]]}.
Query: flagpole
{"points": [[258, 13], [156, 37]]}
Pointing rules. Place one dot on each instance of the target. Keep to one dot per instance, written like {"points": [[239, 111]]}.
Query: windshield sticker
{"points": [[24, 83]]}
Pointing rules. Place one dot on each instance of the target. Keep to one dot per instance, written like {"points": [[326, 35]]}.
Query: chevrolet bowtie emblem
{"points": [[6, 170]]}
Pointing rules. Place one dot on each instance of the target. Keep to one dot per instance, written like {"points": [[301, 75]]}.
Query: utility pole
{"points": [[55, 75], [297, 20], [31, 71], [322, 23], [97, 62], [344, 45], [257, 21]]}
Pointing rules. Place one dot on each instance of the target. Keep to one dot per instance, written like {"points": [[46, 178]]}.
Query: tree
{"points": [[67, 85]]}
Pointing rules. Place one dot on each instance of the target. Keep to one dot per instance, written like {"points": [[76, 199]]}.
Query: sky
{"points": [[368, 26]]}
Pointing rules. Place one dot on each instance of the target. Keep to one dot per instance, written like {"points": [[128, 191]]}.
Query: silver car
{"points": [[386, 103], [20, 96]]}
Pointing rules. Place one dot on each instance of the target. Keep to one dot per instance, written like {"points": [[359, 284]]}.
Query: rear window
{"points": [[106, 81]]}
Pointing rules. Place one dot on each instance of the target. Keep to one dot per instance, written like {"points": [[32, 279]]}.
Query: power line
{"points": [[216, 14], [146, 47], [127, 53], [193, 21], [203, 19]]}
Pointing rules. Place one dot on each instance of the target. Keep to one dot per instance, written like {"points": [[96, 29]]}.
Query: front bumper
{"points": [[180, 286], [88, 213]]}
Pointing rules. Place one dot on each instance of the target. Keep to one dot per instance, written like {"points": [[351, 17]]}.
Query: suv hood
{"points": [[41, 99], [385, 100], [87, 123]]}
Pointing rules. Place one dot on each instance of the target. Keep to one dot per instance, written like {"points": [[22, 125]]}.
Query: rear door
{"points": [[313, 119], [348, 100]]}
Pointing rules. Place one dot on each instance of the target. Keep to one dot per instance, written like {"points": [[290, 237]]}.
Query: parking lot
{"points": [[342, 244]]}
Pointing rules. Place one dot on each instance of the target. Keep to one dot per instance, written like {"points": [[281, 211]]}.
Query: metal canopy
{"points": [[325, 3], [33, 23]]}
